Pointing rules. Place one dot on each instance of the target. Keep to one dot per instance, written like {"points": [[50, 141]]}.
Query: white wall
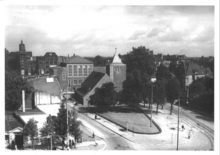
{"points": [[45, 98]]}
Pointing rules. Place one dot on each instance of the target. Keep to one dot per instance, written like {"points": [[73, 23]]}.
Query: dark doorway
{"points": [[19, 141]]}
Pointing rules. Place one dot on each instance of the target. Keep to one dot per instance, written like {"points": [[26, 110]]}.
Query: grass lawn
{"points": [[138, 122]]}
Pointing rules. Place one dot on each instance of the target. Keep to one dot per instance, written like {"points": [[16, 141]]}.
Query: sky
{"points": [[90, 30]]}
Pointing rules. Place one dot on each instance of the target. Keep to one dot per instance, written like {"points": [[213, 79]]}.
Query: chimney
{"points": [[23, 100]]}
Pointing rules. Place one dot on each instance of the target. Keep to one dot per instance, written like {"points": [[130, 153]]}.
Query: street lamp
{"points": [[187, 95], [178, 126], [151, 105], [67, 120]]}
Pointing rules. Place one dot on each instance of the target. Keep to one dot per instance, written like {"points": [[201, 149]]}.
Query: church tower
{"points": [[22, 47], [116, 71]]}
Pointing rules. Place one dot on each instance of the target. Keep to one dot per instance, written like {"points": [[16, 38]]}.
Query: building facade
{"points": [[51, 60]]}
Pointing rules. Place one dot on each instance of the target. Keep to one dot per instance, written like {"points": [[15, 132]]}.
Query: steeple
{"points": [[116, 58], [22, 47]]}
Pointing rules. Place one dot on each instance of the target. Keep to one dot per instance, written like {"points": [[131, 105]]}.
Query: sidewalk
{"points": [[167, 139], [89, 143]]}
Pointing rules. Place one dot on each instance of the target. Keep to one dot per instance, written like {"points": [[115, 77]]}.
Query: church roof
{"points": [[116, 58], [91, 82]]}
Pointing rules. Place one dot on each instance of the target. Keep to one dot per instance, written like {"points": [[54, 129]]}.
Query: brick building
{"points": [[51, 60]]}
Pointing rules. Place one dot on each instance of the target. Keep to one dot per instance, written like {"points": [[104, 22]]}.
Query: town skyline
{"points": [[98, 30]]}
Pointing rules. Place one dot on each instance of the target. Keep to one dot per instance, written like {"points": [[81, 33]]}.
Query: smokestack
{"points": [[23, 100]]}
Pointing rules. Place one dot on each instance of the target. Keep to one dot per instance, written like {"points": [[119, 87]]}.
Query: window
{"points": [[75, 82], [90, 68], [70, 70], [85, 70], [69, 83], [75, 70], [80, 70], [80, 81], [64, 76]]}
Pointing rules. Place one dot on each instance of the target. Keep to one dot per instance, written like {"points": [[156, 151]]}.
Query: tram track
{"points": [[208, 132]]}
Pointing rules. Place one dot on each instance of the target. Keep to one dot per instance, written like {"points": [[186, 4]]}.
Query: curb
{"points": [[111, 130]]}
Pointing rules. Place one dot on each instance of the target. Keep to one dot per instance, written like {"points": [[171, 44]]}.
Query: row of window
{"points": [[79, 70], [75, 82]]}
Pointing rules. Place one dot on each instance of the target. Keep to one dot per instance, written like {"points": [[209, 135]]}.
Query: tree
{"points": [[180, 74], [162, 73], [104, 97], [172, 67], [141, 61], [173, 91], [49, 126], [30, 129], [14, 84], [132, 89], [196, 89], [61, 121], [159, 93], [74, 125], [60, 125]]}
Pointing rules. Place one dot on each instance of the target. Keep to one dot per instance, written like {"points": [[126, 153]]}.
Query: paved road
{"points": [[199, 121], [113, 140]]}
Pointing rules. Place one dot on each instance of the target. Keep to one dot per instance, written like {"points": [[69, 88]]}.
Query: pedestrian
{"points": [[183, 128], [95, 117], [70, 143], [13, 145], [93, 135], [62, 143], [73, 144], [189, 134]]}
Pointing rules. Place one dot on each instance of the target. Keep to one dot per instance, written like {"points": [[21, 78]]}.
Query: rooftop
{"points": [[48, 87], [12, 121], [78, 60], [90, 82]]}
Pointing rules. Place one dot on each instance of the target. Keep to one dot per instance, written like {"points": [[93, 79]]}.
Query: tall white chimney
{"points": [[23, 100]]}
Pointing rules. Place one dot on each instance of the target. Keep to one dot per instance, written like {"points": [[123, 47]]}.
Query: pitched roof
{"points": [[116, 58], [90, 82], [78, 60], [48, 87], [194, 67], [12, 122]]}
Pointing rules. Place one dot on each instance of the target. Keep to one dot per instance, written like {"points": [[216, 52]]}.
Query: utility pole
{"points": [[178, 126]]}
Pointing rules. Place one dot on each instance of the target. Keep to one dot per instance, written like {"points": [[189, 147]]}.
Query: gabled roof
{"points": [[90, 82], [78, 60], [12, 122], [99, 69], [194, 67]]}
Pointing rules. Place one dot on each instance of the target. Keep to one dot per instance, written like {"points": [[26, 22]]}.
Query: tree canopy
{"points": [[14, 84], [104, 97], [60, 125], [31, 129], [132, 89], [162, 73]]}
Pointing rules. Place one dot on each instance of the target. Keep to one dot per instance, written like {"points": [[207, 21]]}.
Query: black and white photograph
{"points": [[91, 77]]}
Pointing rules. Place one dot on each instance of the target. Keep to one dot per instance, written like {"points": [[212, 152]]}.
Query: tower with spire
{"points": [[22, 47], [116, 71]]}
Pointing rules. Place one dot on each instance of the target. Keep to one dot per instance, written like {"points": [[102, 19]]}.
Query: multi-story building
{"points": [[72, 75], [51, 60], [25, 60], [40, 65]]}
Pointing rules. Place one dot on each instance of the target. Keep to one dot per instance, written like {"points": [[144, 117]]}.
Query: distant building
{"points": [[194, 71], [116, 71], [40, 65], [51, 60], [25, 60]]}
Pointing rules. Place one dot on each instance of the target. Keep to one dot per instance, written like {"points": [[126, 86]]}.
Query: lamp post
{"points": [[178, 126], [151, 105], [67, 120], [187, 95]]}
